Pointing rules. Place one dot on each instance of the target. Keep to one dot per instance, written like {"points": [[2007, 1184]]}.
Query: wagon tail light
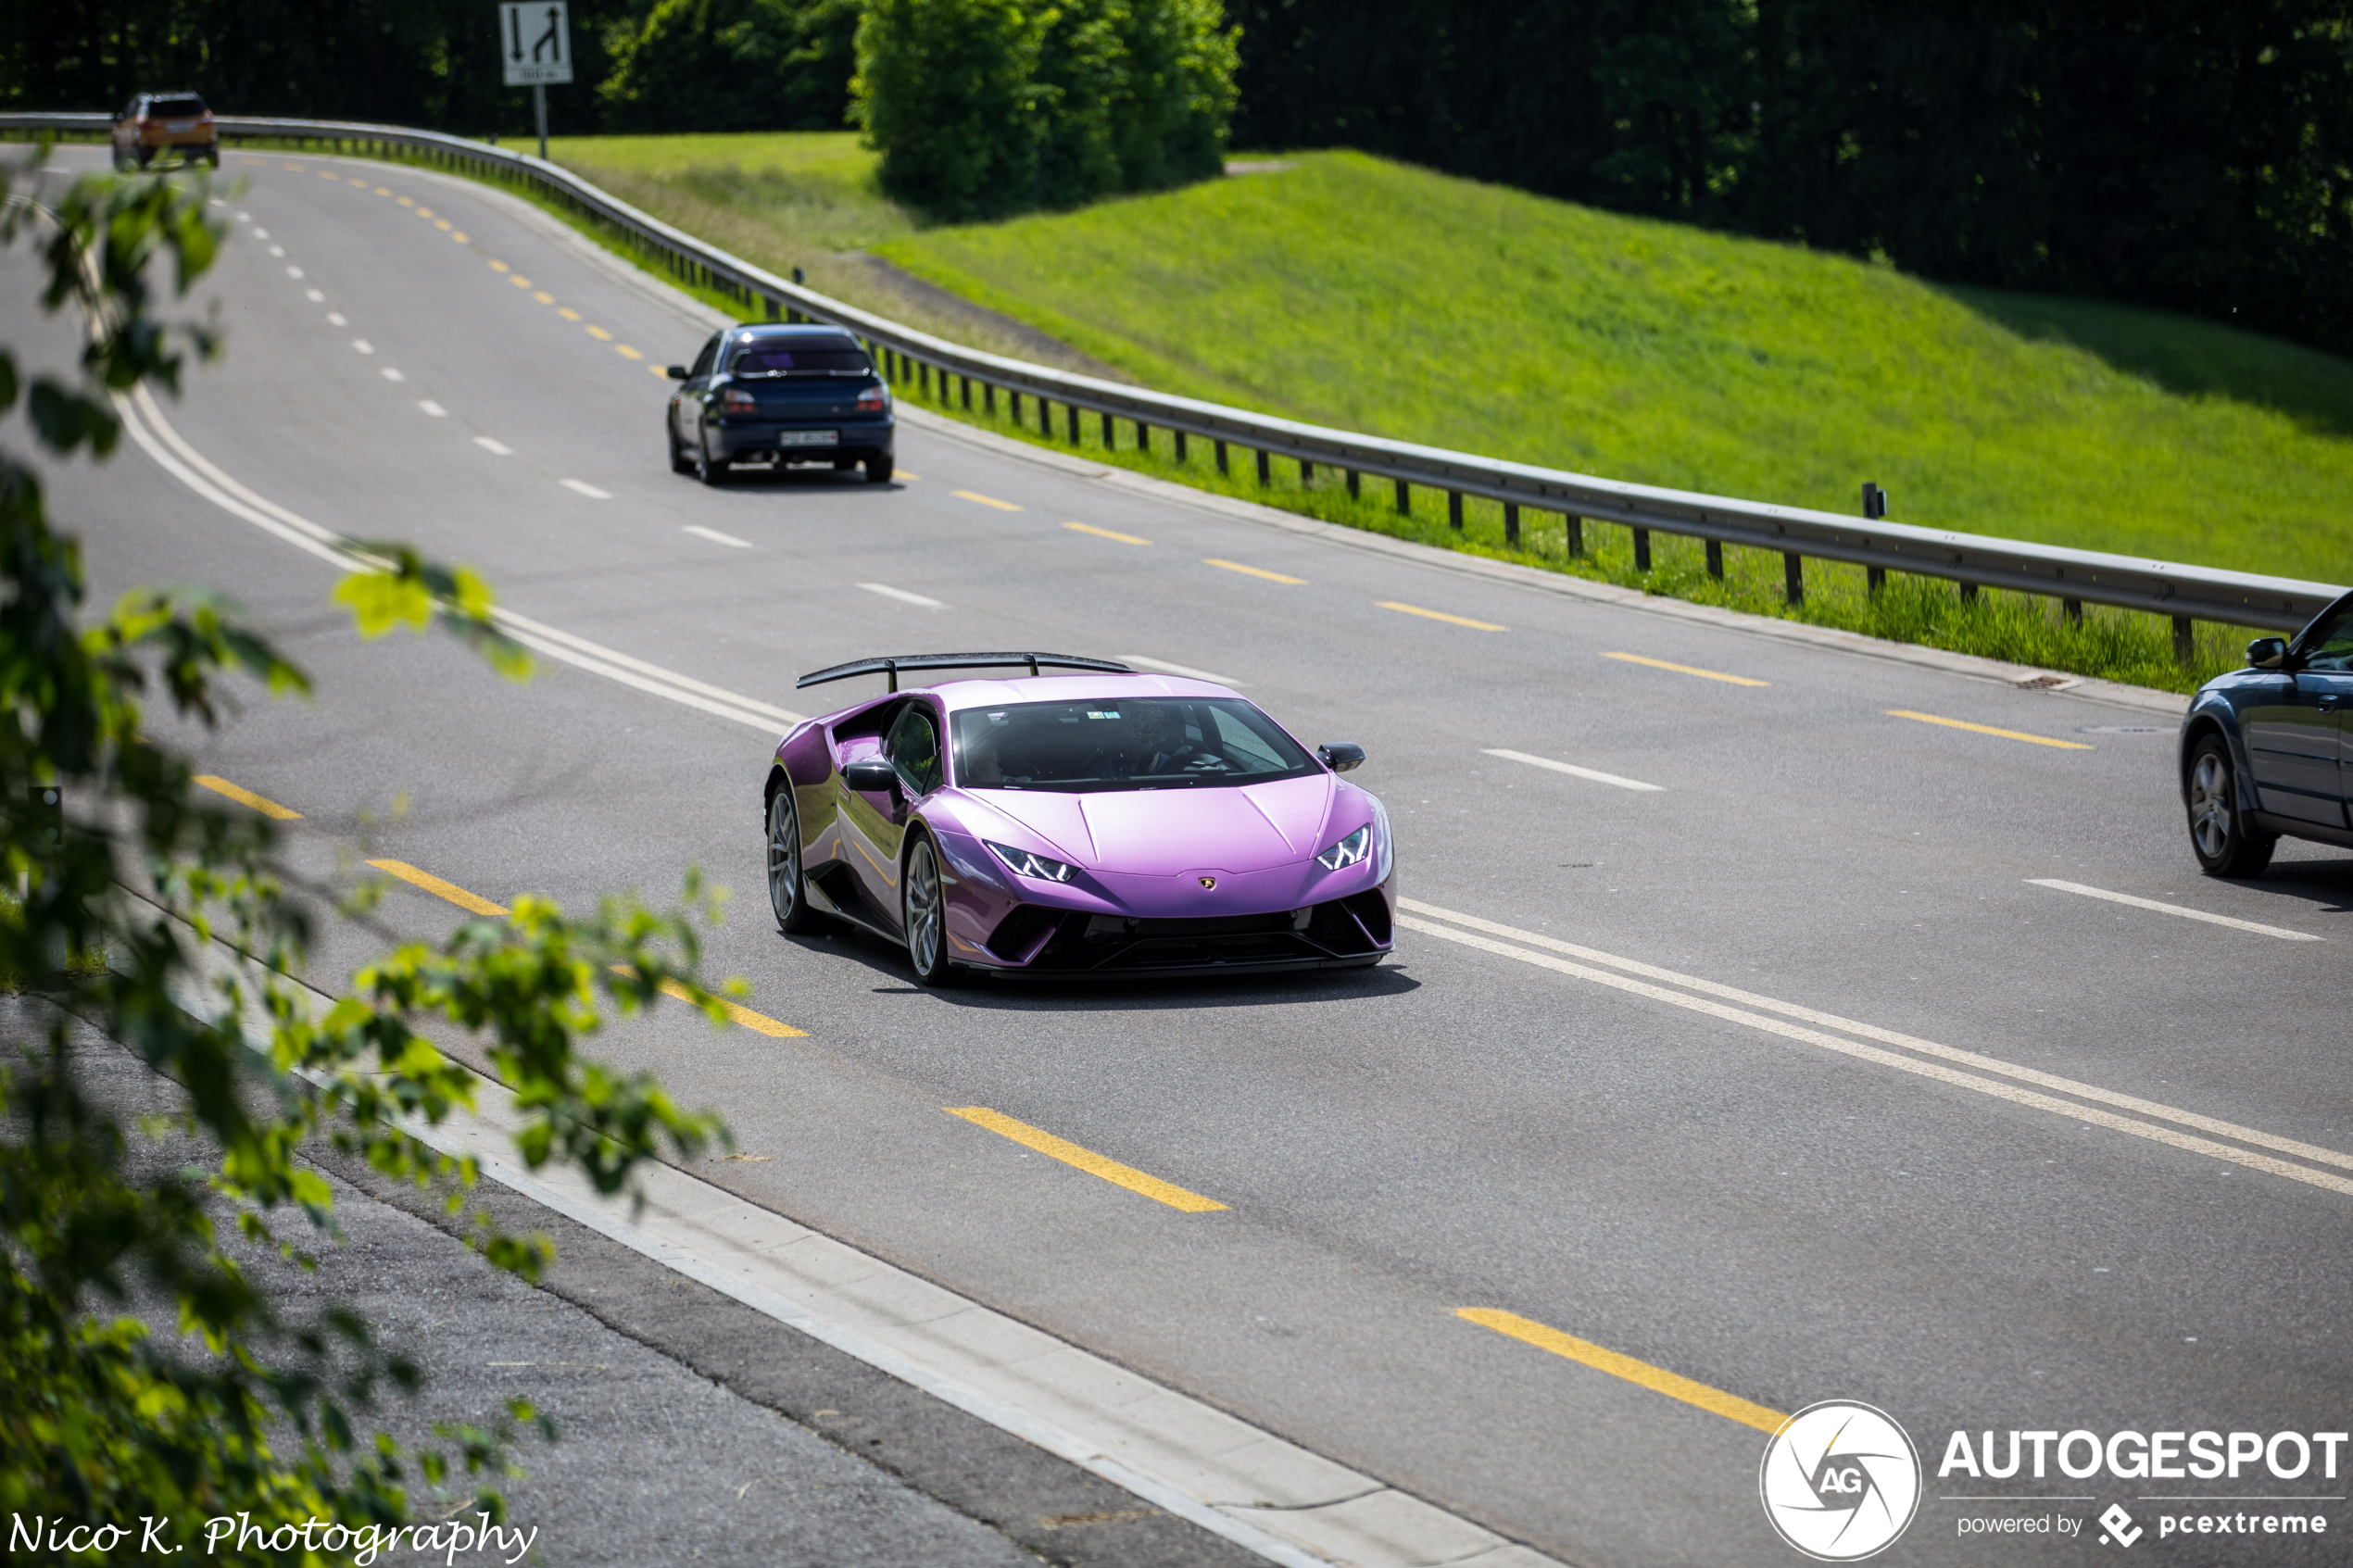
{"points": [[737, 401], [875, 399], [1348, 851]]}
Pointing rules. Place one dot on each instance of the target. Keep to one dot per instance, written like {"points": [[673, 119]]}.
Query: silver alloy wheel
{"points": [[922, 910], [2210, 805], [783, 857]]}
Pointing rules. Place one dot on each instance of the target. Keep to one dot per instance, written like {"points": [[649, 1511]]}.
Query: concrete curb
{"points": [[1273, 1497]]}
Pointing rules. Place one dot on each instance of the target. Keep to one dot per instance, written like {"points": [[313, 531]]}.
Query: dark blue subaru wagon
{"points": [[2267, 751], [780, 394]]}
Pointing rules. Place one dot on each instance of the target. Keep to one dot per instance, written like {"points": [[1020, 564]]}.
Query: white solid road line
{"points": [[175, 457], [699, 532], [2261, 930], [590, 491], [1594, 773], [887, 591], [1756, 1018], [1284, 1504], [1186, 669], [496, 448]]}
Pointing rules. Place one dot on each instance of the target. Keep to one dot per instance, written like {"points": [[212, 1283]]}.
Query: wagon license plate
{"points": [[179, 125], [809, 438]]}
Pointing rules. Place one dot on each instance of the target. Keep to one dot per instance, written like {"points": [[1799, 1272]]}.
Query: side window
{"points": [[2332, 649], [703, 361], [913, 749]]}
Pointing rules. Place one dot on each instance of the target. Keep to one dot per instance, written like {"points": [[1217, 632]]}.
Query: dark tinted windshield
{"points": [[1146, 742], [824, 356], [175, 108]]}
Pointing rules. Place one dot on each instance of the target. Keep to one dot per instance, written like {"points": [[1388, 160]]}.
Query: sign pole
{"points": [[539, 109]]}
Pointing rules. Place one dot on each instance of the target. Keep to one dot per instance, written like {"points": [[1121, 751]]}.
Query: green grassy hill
{"points": [[1362, 294]]}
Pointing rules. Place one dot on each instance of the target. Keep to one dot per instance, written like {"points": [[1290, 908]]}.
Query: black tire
{"points": [[679, 462], [2219, 836], [711, 471], [878, 471], [146, 156], [787, 893], [923, 910], [212, 155]]}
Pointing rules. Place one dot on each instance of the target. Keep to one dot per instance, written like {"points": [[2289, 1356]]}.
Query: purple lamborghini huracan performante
{"points": [[1103, 824]]}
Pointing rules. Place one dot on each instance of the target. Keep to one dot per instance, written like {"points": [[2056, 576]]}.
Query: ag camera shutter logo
{"points": [[1840, 1481]]}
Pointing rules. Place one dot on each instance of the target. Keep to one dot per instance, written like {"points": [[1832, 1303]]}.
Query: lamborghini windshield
{"points": [[1142, 743]]}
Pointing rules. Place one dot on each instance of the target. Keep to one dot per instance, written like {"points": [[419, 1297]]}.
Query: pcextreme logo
{"points": [[1840, 1481]]}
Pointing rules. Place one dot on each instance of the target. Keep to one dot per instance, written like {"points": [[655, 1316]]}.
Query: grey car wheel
{"points": [[925, 916], [788, 895], [2218, 834]]}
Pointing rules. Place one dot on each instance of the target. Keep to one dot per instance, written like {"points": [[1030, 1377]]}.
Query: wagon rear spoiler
{"points": [[891, 666]]}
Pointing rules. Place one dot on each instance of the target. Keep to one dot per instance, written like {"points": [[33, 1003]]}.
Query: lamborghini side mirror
{"points": [[871, 775], [1340, 756]]}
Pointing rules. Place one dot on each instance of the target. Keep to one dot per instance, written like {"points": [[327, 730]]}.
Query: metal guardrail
{"points": [[2184, 593]]}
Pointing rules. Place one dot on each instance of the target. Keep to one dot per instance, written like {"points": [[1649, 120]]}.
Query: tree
{"points": [[984, 107], [733, 65], [255, 1413]]}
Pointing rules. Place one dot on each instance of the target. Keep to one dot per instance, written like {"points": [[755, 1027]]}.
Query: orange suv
{"points": [[163, 124]]}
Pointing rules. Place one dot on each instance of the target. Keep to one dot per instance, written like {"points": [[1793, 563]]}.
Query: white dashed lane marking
{"points": [[496, 448], [2261, 930], [1594, 773], [902, 595], [716, 537], [580, 487]]}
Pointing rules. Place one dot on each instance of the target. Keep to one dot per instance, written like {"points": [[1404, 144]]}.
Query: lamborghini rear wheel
{"points": [[787, 894]]}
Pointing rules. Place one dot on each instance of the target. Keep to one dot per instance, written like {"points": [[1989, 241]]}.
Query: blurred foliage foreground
{"points": [[115, 1437]]}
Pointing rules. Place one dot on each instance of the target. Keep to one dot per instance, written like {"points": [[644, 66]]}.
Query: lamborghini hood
{"points": [[1173, 832]]}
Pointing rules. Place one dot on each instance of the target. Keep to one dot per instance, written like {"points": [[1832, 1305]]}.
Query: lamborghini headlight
{"points": [[1023, 863], [1348, 851]]}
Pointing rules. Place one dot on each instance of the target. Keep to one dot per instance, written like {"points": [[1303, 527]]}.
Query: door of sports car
{"points": [[876, 825], [2295, 730]]}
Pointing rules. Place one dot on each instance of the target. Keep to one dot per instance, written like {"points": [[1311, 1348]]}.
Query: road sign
{"points": [[535, 43]]}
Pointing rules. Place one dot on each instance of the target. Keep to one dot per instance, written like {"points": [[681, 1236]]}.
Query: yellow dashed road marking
{"points": [[1688, 669], [600, 334], [544, 298], [1658, 1380], [1086, 1160], [473, 903], [1987, 729], [497, 266], [1441, 615], [568, 313], [1255, 572], [988, 501], [1105, 533], [246, 798], [626, 352]]}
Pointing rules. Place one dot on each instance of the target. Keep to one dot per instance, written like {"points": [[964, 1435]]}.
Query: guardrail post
{"points": [[1111, 433], [2185, 640], [1143, 436], [1968, 593], [1511, 522], [1874, 579], [1794, 576], [1071, 410], [1404, 499], [1221, 459], [1572, 535], [1012, 405], [968, 392], [770, 306], [1353, 492], [1266, 468], [1642, 549], [988, 398], [1454, 509], [1716, 558], [1180, 447], [2074, 611]]}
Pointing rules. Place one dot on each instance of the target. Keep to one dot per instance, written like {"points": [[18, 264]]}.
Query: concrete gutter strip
{"points": [[1268, 1496]]}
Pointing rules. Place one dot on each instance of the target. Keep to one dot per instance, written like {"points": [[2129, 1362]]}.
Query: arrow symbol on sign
{"points": [[514, 23], [547, 39]]}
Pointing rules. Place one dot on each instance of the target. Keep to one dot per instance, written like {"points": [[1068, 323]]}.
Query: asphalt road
{"points": [[1652, 1170]]}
